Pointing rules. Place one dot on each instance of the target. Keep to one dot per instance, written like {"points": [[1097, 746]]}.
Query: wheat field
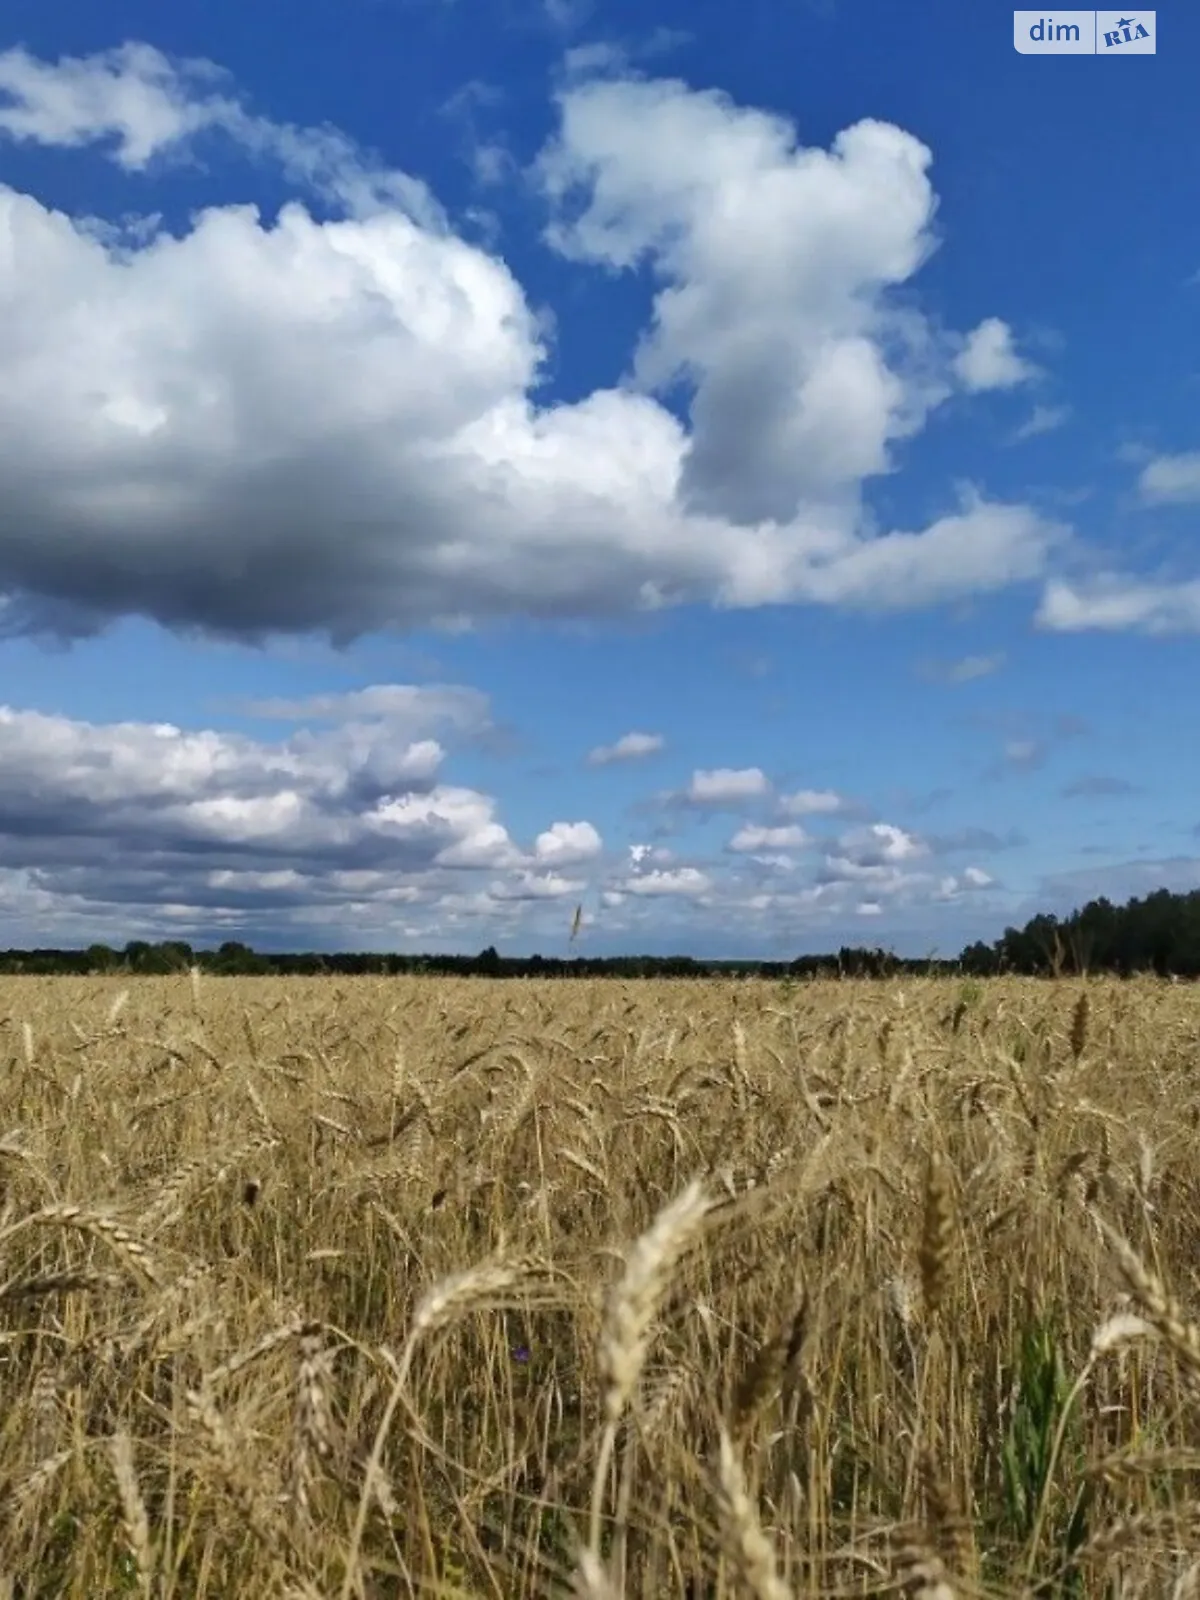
{"points": [[363, 1288]]}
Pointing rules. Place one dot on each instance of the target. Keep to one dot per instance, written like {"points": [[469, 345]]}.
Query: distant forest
{"points": [[1159, 934]]}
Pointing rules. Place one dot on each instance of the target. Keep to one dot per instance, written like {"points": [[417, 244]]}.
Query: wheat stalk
{"points": [[629, 1314], [745, 1542], [933, 1255], [133, 1510], [491, 1283], [313, 1424], [99, 1225], [1162, 1312], [222, 1445], [775, 1358]]}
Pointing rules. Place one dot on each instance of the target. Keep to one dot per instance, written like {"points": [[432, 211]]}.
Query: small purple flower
{"points": [[520, 1353]]}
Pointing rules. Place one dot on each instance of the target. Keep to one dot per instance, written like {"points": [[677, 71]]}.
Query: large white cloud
{"points": [[285, 423], [774, 261]]}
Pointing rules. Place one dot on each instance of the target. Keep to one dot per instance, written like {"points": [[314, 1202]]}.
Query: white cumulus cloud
{"points": [[143, 105], [1111, 603], [951, 887], [680, 881], [131, 96], [565, 843], [265, 424], [810, 802], [989, 359], [1171, 480], [537, 886], [329, 832], [629, 747], [775, 262], [880, 844], [1042, 419], [726, 786], [751, 838]]}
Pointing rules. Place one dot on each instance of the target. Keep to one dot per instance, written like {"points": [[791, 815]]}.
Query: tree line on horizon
{"points": [[1157, 934]]}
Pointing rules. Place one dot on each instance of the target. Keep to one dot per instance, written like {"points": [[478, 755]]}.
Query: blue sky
{"points": [[735, 469]]}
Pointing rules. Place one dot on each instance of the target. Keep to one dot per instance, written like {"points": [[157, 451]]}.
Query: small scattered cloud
{"points": [[1171, 480], [972, 879], [1042, 419], [608, 58], [567, 15], [491, 163], [629, 747], [916, 803], [593, 60], [1112, 603], [489, 159], [1134, 452], [687, 881], [1029, 739], [810, 803], [723, 787], [749, 664], [1023, 755], [975, 841], [880, 844], [400, 705], [964, 670], [880, 854], [989, 360], [568, 843], [1097, 785], [752, 838], [536, 886], [656, 855]]}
